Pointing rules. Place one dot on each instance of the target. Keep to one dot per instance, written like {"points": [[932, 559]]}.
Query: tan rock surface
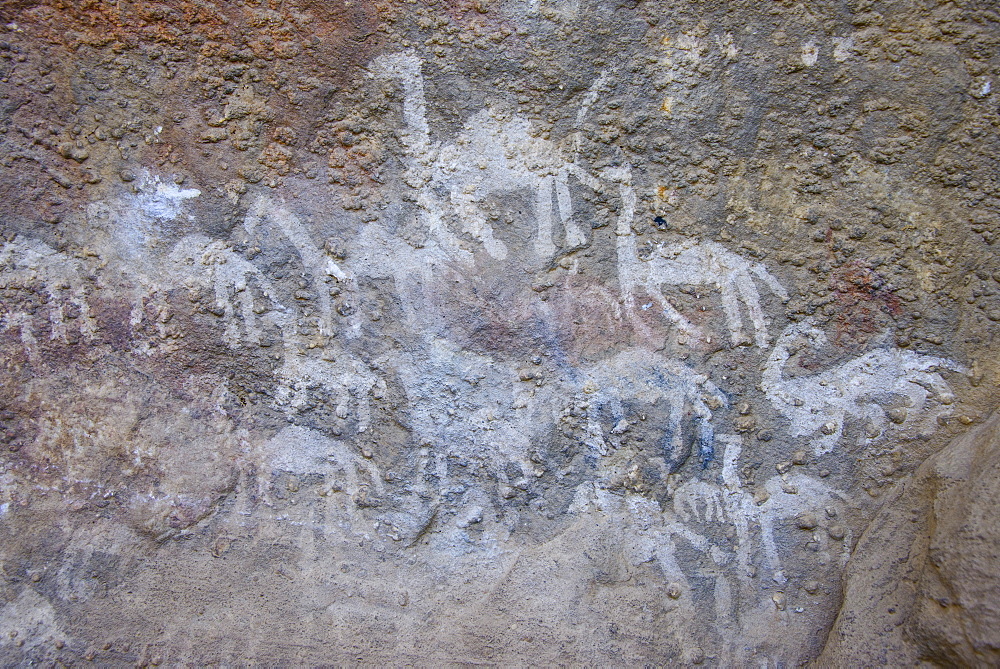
{"points": [[924, 582]]}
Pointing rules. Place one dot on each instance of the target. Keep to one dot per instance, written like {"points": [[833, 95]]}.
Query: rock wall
{"points": [[922, 584], [514, 331]]}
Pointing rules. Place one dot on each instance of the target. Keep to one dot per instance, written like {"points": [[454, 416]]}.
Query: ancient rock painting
{"points": [[865, 387], [236, 284], [266, 218], [495, 152], [489, 427], [27, 265], [689, 263], [644, 377], [469, 406]]}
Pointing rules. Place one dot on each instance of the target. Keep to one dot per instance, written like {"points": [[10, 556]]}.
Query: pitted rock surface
{"points": [[497, 331]]}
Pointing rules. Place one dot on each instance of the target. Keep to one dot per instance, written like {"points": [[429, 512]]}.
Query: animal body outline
{"points": [[231, 277], [319, 266], [637, 374], [820, 402], [792, 496], [784, 497], [25, 260], [344, 379], [495, 152], [688, 262]]}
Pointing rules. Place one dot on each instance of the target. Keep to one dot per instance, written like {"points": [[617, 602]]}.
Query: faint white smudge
{"points": [[843, 48], [727, 45], [162, 200], [30, 619], [463, 403], [136, 225], [810, 53]]}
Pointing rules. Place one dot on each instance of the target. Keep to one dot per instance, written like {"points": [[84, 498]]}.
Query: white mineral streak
{"points": [[160, 200]]}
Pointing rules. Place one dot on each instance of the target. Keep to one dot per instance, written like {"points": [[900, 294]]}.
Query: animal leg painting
{"points": [[818, 404]]}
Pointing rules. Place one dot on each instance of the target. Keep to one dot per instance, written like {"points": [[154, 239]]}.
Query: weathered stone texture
{"points": [[922, 585], [497, 331]]}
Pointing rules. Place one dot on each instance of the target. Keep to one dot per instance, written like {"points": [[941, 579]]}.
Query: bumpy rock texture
{"points": [[513, 331], [926, 569]]}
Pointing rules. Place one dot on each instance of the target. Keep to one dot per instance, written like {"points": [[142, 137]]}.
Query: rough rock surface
{"points": [[487, 331], [922, 585]]}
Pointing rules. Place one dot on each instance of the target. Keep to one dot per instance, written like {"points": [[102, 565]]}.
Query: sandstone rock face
{"points": [[923, 582], [492, 331]]}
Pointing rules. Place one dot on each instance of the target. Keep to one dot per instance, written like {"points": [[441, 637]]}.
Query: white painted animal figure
{"points": [[651, 534], [494, 153], [303, 451], [792, 497], [470, 407], [417, 274], [26, 263], [688, 263], [320, 267], [346, 382], [641, 376], [237, 285], [818, 404], [197, 260], [785, 498]]}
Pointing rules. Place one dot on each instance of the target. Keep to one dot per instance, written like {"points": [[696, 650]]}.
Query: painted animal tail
{"points": [[774, 369], [768, 278], [676, 448], [706, 441], [588, 101]]}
